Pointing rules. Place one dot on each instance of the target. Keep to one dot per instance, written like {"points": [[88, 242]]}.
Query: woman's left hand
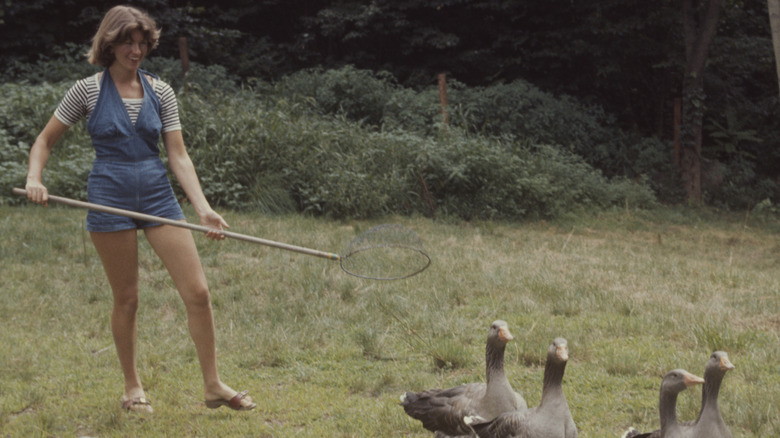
{"points": [[213, 220]]}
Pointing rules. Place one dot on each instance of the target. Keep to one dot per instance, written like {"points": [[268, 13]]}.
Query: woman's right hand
{"points": [[37, 192], [39, 154]]}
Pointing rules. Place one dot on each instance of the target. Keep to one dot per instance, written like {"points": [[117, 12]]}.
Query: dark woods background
{"points": [[624, 57]]}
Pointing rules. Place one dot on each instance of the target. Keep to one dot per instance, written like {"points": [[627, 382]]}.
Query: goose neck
{"points": [[667, 408], [494, 362]]}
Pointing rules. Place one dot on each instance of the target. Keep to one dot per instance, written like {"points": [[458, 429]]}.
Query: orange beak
{"points": [[691, 380], [504, 335], [725, 364], [563, 352]]}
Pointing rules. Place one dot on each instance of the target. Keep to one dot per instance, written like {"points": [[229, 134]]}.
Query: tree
{"points": [[700, 20], [774, 22]]}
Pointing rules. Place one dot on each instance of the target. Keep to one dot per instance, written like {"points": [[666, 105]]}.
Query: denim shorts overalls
{"points": [[127, 172]]}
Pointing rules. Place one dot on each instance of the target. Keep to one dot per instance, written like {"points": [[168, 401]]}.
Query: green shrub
{"points": [[480, 179], [341, 168], [200, 79], [283, 125], [61, 63], [741, 188], [13, 165], [24, 111], [373, 99], [517, 110], [521, 110], [244, 148], [69, 63], [357, 94], [260, 149]]}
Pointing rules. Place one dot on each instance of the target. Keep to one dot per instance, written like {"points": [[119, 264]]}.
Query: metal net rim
{"points": [[397, 277]]}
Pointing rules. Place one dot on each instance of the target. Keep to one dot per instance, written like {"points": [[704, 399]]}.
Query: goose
{"points": [[672, 385], [551, 419], [709, 423], [442, 410]]}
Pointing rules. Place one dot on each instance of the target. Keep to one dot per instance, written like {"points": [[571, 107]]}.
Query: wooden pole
{"points": [[443, 97], [183, 224], [185, 59]]}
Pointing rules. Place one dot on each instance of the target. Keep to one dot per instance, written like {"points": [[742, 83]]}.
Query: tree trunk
{"points": [[700, 20], [774, 22]]}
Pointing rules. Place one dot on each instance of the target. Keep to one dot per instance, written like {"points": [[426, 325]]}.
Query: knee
{"points": [[197, 298], [126, 302]]}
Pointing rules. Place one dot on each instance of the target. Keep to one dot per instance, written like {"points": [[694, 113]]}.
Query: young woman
{"points": [[127, 110]]}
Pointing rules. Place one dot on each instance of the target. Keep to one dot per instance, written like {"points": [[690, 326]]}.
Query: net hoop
{"points": [[385, 252], [416, 270]]}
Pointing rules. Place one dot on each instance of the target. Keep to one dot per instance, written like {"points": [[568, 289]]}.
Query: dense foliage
{"points": [[606, 73], [283, 147]]}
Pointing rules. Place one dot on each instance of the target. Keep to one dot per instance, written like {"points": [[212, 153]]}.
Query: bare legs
{"points": [[176, 248], [119, 253]]}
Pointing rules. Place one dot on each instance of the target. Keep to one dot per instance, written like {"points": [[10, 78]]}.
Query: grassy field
{"points": [[327, 354]]}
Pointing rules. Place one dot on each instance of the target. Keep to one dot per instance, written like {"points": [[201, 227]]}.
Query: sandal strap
{"points": [[235, 402], [129, 403]]}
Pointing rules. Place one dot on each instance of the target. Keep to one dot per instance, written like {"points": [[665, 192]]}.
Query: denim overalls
{"points": [[127, 172]]}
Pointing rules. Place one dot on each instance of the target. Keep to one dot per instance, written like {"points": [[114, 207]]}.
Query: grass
{"points": [[327, 354]]}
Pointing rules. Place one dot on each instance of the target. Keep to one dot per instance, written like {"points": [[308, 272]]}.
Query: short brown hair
{"points": [[115, 28]]}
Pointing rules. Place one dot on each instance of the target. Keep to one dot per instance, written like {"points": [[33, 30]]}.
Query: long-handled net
{"points": [[385, 252]]}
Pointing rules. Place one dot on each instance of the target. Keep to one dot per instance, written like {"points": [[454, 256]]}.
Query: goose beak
{"points": [[562, 352], [504, 335], [725, 364], [691, 380]]}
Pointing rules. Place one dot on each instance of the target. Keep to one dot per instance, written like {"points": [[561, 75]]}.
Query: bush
{"points": [[517, 110], [326, 165], [66, 63], [478, 179], [521, 110], [199, 79], [732, 193], [24, 111], [69, 64], [246, 150], [374, 99], [263, 149], [513, 113], [13, 165]]}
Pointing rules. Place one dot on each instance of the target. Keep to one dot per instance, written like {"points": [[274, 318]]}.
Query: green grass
{"points": [[327, 354]]}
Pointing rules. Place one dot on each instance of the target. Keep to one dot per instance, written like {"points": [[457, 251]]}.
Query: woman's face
{"points": [[130, 53]]}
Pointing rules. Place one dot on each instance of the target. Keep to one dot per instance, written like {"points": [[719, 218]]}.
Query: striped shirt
{"points": [[81, 98]]}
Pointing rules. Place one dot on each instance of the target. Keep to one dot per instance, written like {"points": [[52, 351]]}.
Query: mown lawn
{"points": [[327, 354]]}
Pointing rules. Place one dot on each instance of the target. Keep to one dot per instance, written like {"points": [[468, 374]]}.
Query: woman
{"points": [[127, 110]]}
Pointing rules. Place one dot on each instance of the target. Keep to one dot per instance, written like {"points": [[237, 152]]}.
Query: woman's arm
{"points": [[184, 170], [39, 155]]}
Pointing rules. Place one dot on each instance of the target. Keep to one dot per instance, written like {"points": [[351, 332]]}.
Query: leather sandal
{"points": [[137, 404], [234, 403]]}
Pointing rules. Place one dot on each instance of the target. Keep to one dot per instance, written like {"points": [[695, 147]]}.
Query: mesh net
{"points": [[385, 252]]}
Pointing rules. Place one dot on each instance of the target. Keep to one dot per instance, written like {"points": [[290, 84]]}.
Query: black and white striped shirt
{"points": [[81, 98]]}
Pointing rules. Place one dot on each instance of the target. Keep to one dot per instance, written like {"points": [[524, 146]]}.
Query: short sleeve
{"points": [[73, 106], [169, 106]]}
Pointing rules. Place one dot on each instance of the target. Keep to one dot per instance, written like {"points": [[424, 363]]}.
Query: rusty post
{"points": [[443, 97], [185, 59]]}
